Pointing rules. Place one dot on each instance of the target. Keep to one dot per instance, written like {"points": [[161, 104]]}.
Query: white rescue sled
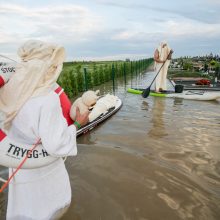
{"points": [[196, 95], [200, 95]]}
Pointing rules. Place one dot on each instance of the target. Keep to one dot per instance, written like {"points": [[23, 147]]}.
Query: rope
{"points": [[8, 58], [19, 167]]}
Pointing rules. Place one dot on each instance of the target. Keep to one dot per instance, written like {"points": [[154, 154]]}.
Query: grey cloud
{"points": [[63, 27], [203, 12]]}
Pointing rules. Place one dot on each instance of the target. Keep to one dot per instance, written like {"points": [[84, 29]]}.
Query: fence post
{"points": [[131, 72], [125, 73], [113, 78], [85, 78], [136, 72]]}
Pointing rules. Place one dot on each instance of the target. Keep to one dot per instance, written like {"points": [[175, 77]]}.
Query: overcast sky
{"points": [[112, 29]]}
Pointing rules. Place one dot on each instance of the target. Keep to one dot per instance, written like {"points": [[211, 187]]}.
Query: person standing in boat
{"points": [[162, 56], [32, 111]]}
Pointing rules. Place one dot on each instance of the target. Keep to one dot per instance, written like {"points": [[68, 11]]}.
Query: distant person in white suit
{"points": [[162, 56]]}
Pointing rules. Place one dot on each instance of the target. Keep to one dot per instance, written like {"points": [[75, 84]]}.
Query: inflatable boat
{"points": [[201, 95]]}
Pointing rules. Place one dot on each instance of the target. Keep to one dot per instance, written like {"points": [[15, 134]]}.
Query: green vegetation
{"points": [[204, 66], [184, 73], [79, 76]]}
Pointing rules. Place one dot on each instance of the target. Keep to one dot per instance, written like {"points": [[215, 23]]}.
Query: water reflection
{"points": [[145, 106], [177, 101], [158, 129], [87, 138]]}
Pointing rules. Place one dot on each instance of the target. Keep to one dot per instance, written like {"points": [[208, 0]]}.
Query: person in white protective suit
{"points": [[162, 56], [32, 111]]}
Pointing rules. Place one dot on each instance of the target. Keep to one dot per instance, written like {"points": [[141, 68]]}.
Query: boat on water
{"points": [[200, 95], [196, 84], [202, 88]]}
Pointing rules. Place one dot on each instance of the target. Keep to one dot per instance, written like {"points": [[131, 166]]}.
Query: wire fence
{"points": [[78, 77]]}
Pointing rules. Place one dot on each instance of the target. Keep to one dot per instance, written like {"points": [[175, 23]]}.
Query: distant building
{"points": [[198, 66]]}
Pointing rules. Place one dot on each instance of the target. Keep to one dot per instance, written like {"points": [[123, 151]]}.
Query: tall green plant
{"points": [[80, 79], [89, 80], [73, 82], [66, 84], [95, 75], [101, 74], [106, 73]]}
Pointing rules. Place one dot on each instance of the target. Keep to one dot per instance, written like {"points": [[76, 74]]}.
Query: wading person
{"points": [[162, 56], [33, 111]]}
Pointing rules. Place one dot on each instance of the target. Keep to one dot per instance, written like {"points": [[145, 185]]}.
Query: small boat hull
{"points": [[186, 94]]}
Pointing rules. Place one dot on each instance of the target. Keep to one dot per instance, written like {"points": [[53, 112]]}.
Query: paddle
{"points": [[146, 91]]}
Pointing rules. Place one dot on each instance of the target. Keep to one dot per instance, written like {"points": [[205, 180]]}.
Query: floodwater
{"points": [[155, 159]]}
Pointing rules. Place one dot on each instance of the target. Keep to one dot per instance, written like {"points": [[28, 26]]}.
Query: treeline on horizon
{"points": [[207, 66], [207, 56], [79, 76]]}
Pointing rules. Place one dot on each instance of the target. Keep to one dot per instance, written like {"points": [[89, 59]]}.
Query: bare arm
{"points": [[170, 55], [157, 57], [82, 119]]}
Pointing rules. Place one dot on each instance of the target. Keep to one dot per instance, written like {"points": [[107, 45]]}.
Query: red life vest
{"points": [[65, 105], [2, 81], [2, 135]]}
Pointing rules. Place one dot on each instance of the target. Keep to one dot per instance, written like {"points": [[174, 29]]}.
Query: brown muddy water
{"points": [[155, 159]]}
